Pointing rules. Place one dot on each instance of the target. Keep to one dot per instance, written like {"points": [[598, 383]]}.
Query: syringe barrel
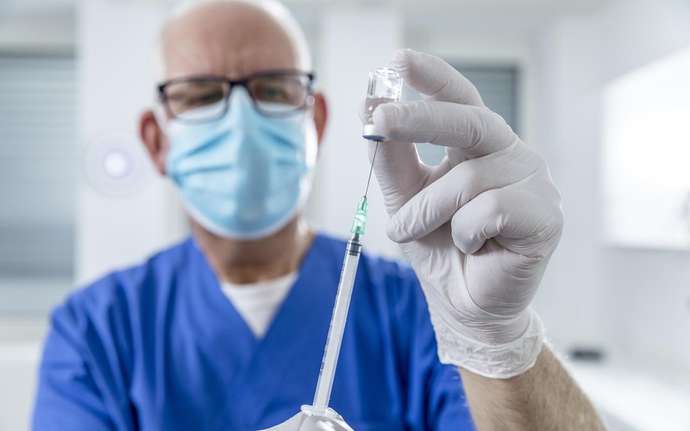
{"points": [[338, 320]]}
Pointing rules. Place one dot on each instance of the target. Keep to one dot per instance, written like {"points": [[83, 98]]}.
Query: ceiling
{"points": [[512, 17], [554, 6]]}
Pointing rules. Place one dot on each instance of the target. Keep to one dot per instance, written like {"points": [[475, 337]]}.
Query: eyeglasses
{"points": [[275, 93]]}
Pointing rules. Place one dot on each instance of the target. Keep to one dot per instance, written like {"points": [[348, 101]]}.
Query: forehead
{"points": [[232, 40]]}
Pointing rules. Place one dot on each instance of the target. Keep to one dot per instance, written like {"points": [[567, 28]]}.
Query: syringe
{"points": [[385, 85], [341, 308]]}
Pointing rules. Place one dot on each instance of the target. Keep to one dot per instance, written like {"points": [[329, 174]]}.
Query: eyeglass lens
{"points": [[205, 99]]}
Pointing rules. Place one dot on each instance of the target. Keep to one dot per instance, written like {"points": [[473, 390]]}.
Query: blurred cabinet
{"points": [[646, 160]]}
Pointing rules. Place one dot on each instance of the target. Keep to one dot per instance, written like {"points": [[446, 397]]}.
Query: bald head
{"points": [[232, 38]]}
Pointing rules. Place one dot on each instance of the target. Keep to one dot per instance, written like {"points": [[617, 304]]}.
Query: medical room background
{"points": [[601, 88]]}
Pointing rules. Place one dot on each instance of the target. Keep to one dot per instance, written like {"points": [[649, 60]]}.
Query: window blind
{"points": [[498, 86], [38, 164]]}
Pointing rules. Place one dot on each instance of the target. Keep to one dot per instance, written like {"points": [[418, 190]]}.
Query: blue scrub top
{"points": [[159, 347]]}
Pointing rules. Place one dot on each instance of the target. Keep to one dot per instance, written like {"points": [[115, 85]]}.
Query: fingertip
{"points": [[384, 117], [463, 238], [395, 231], [467, 246], [404, 62], [392, 231], [402, 57]]}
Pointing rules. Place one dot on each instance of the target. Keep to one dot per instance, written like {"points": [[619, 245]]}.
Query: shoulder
{"points": [[390, 285], [116, 294], [397, 281], [387, 267], [379, 270], [392, 273], [94, 339]]}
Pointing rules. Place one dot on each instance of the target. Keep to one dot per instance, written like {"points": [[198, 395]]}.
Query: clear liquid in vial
{"points": [[370, 105]]}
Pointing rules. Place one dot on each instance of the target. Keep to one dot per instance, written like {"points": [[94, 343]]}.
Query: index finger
{"points": [[469, 131], [435, 78]]}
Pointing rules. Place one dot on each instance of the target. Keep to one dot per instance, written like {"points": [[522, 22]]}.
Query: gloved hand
{"points": [[479, 228], [311, 419]]}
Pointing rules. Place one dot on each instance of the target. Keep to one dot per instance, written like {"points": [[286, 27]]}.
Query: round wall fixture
{"points": [[116, 165]]}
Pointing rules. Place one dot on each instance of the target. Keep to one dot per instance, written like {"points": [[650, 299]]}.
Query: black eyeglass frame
{"points": [[242, 82]]}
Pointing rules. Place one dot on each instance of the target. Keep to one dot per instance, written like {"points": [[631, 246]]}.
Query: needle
{"points": [[371, 168]]}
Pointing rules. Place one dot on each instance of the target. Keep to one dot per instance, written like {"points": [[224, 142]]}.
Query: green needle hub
{"points": [[359, 224]]}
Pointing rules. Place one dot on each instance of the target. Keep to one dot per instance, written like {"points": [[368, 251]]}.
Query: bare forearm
{"points": [[544, 398]]}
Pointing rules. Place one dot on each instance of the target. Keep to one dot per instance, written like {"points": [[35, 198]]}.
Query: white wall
{"points": [[120, 221], [18, 364], [632, 301], [570, 300], [343, 161]]}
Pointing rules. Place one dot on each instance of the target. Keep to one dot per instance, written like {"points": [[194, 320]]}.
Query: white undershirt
{"points": [[258, 302]]}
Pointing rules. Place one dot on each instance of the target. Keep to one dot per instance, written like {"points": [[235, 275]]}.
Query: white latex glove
{"points": [[310, 419], [479, 228]]}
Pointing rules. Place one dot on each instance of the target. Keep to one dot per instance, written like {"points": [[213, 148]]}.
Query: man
{"points": [[226, 330]]}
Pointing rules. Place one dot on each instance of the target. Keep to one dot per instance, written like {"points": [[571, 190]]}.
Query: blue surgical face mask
{"points": [[243, 176]]}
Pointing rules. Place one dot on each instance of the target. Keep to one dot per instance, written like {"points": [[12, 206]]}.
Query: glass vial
{"points": [[385, 85]]}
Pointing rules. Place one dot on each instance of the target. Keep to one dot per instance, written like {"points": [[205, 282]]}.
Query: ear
{"points": [[320, 110], [154, 139]]}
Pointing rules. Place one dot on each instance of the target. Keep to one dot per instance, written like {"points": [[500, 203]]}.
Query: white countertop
{"points": [[636, 398]]}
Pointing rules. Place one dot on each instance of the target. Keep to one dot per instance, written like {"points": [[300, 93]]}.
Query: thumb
{"points": [[396, 164]]}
